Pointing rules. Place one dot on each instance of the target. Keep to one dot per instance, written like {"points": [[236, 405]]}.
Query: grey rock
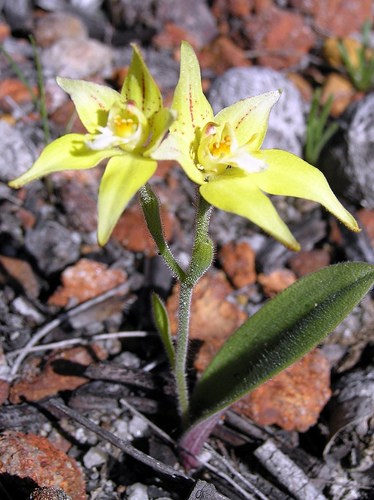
{"points": [[53, 246], [347, 160], [95, 457], [17, 13], [194, 16], [74, 58], [287, 121], [17, 152]]}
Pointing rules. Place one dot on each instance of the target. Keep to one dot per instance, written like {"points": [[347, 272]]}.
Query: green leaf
{"points": [[162, 323], [284, 330]]}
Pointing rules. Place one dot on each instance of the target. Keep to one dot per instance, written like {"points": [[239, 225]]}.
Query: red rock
{"points": [[304, 87], [4, 391], [294, 398], [304, 263], [238, 262], [40, 378], [239, 8], [336, 17], [80, 203], [221, 55], [89, 177], [281, 37], [26, 218], [262, 5], [4, 385], [163, 168], [172, 37], [22, 272], [222, 9], [5, 31], [132, 231], [213, 317], [342, 90], [12, 90], [56, 25], [85, 280], [276, 281], [366, 220], [33, 457], [65, 116]]}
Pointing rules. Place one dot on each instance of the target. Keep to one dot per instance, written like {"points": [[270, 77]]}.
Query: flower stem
{"points": [[201, 259], [181, 352], [151, 211]]}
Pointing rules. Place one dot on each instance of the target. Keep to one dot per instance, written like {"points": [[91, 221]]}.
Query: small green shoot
{"points": [[318, 132], [362, 72]]}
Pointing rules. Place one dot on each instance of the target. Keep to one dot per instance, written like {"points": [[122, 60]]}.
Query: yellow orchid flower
{"points": [[123, 127], [222, 154]]}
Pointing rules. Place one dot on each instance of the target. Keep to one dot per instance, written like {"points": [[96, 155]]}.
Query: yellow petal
{"points": [[235, 192], [175, 148], [159, 123], [290, 176], [193, 108], [249, 118], [92, 101], [122, 178], [140, 87], [67, 153]]}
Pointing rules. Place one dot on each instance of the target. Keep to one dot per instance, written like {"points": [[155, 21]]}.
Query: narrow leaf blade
{"points": [[284, 330], [162, 323]]}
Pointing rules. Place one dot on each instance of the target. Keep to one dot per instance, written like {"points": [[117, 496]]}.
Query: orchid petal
{"points": [[66, 153], [247, 162], [92, 101], [235, 192], [193, 108], [140, 87], [289, 175], [122, 178], [159, 123], [175, 148], [249, 118]]}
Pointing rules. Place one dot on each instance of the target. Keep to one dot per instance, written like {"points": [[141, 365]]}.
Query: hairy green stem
{"points": [[202, 256], [185, 297], [151, 212], [201, 259]]}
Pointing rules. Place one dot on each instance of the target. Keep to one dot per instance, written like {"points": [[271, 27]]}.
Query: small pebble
{"points": [[138, 427], [77, 58], [57, 25], [137, 491], [121, 429], [95, 457]]}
